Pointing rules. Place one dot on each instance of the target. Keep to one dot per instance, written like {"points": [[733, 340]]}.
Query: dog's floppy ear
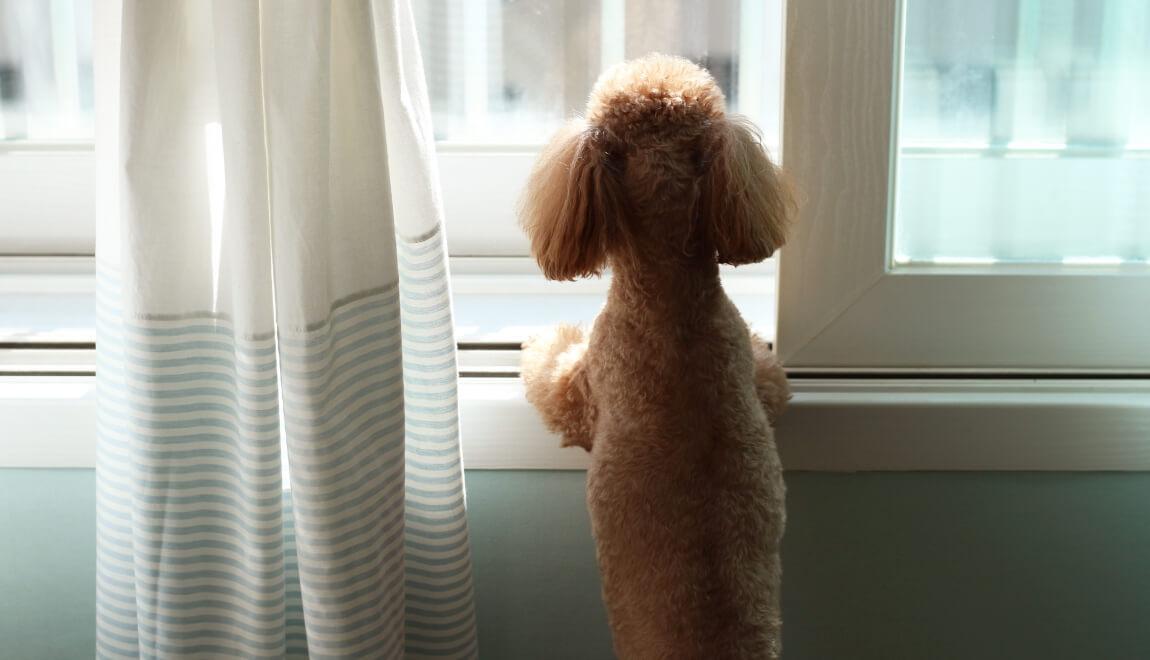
{"points": [[745, 202], [570, 199]]}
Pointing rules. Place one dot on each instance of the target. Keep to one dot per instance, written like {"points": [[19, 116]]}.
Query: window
{"points": [[46, 127], [1019, 174], [509, 72], [1023, 135], [503, 75], [974, 172], [45, 70]]}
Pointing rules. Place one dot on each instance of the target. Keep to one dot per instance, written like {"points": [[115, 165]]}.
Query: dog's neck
{"points": [[671, 288]]}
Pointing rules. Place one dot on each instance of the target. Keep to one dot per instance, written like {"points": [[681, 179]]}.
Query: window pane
{"points": [[1024, 132], [510, 71], [45, 69]]}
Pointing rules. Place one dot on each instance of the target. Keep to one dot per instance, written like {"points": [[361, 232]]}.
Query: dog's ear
{"points": [[745, 202], [571, 197]]}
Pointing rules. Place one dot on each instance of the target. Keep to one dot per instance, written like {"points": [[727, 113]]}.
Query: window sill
{"points": [[47, 300], [832, 425]]}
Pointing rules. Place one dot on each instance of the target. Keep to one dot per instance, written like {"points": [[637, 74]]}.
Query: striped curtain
{"points": [[278, 458]]}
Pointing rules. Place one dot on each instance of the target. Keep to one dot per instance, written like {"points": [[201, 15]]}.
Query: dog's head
{"points": [[657, 169]]}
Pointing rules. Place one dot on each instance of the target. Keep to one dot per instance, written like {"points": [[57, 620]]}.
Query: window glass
{"points": [[510, 71], [45, 69], [498, 71], [1024, 132]]}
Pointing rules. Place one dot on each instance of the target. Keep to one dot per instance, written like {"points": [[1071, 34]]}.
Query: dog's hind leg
{"points": [[555, 377], [770, 380]]}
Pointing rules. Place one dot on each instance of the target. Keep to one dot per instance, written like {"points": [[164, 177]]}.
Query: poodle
{"points": [[671, 394]]}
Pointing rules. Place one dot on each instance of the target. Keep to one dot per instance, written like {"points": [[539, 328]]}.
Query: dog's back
{"points": [[685, 486]]}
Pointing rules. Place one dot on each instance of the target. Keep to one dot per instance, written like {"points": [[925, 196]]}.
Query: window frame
{"points": [[48, 190], [844, 305]]}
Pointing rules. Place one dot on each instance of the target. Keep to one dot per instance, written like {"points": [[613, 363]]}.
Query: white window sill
{"points": [[47, 300], [837, 426]]}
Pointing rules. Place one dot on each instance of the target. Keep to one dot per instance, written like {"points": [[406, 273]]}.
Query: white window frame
{"points": [[481, 186], [844, 306], [48, 193]]}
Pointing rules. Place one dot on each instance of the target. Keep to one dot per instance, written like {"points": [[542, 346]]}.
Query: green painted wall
{"points": [[535, 573], [891, 566], [47, 564]]}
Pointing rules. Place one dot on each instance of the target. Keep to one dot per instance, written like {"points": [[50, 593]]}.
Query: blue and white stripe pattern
{"points": [[440, 614], [201, 551], [343, 409], [190, 521]]}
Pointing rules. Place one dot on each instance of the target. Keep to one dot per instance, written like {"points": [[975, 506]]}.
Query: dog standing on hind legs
{"points": [[670, 393]]}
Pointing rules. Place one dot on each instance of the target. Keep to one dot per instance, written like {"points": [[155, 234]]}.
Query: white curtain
{"points": [[272, 294]]}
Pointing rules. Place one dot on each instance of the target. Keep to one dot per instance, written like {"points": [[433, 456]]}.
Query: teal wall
{"points": [[47, 564], [891, 566]]}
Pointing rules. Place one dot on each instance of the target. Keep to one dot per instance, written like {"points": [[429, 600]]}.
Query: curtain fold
{"points": [[278, 459]]}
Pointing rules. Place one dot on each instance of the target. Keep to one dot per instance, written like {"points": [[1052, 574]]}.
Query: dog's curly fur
{"points": [[671, 394]]}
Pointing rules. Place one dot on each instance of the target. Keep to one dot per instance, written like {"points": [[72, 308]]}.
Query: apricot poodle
{"points": [[670, 393]]}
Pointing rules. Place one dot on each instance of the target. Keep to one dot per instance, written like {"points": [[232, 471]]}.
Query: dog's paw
{"points": [[541, 354], [770, 380]]}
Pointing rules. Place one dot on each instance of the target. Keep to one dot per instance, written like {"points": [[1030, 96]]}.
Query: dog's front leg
{"points": [[770, 380], [555, 376]]}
